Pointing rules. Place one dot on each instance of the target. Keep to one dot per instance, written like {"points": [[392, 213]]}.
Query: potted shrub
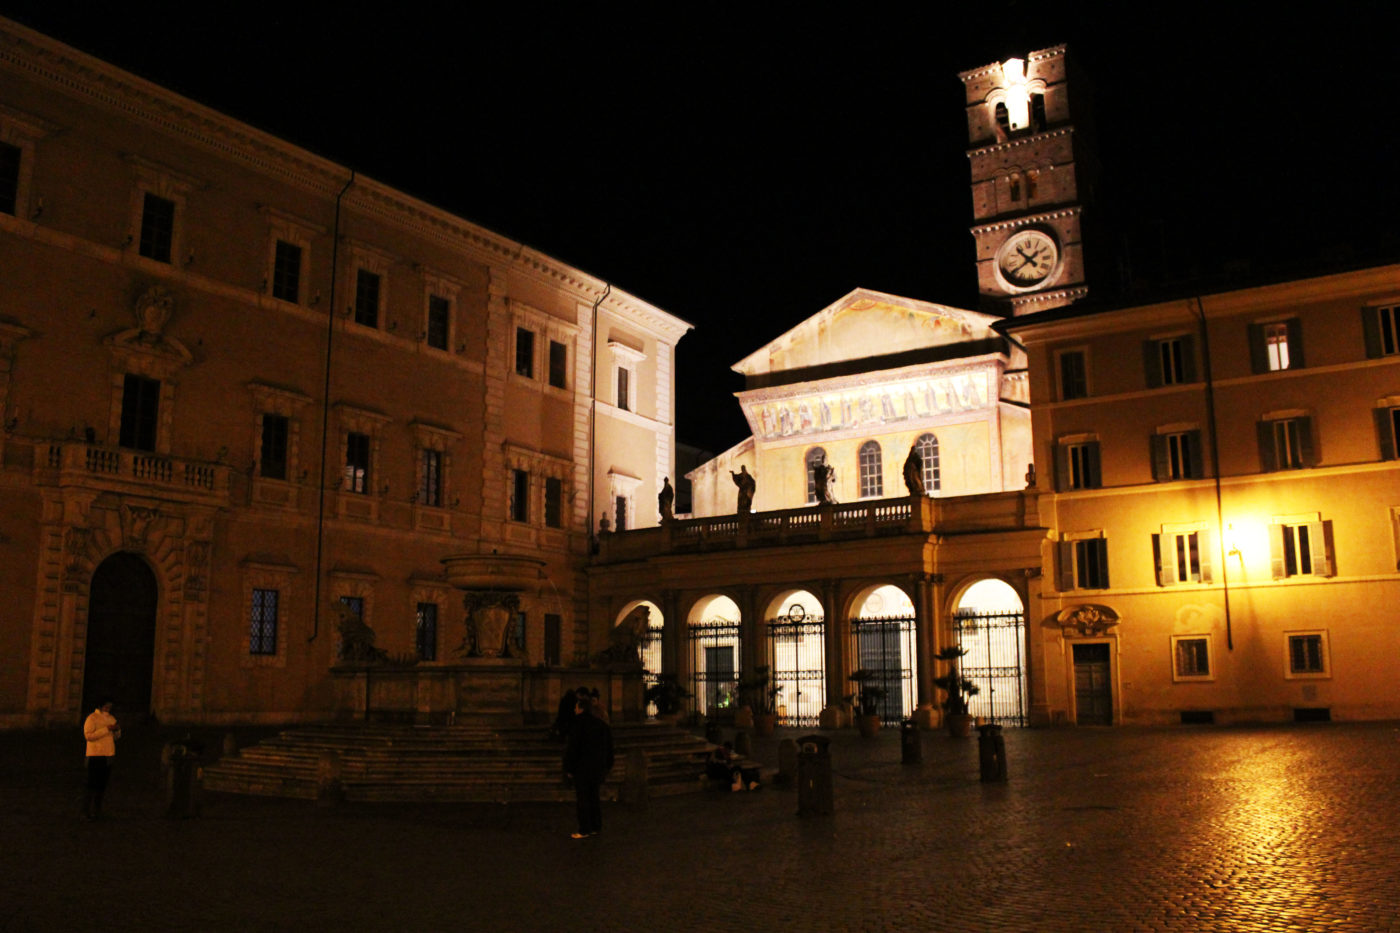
{"points": [[668, 695], [956, 689], [761, 696], [867, 701]]}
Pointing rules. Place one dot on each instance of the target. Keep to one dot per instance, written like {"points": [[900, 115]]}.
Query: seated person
{"points": [[723, 765]]}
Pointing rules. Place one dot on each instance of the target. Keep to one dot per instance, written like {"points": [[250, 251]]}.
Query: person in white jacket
{"points": [[101, 731]]}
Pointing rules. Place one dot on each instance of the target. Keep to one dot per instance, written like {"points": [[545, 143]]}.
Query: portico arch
{"points": [[989, 619], [713, 632], [883, 640], [121, 634], [795, 643]]}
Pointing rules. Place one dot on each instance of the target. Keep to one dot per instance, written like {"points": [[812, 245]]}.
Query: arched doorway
{"points": [[648, 640], [991, 626], [121, 634], [797, 657], [715, 661], [882, 642]]}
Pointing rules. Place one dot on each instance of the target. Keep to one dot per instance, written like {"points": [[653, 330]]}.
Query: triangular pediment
{"points": [[864, 325]]}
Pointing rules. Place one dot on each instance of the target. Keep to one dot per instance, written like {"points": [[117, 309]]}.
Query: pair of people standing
{"points": [[588, 758], [101, 731]]}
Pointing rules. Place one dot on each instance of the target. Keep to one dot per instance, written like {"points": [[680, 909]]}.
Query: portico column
{"points": [[833, 715], [925, 632]]}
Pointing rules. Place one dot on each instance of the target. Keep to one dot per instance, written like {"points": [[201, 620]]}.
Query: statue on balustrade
{"points": [[745, 481]]}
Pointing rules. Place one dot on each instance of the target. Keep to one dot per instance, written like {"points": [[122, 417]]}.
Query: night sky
{"points": [[744, 165]]}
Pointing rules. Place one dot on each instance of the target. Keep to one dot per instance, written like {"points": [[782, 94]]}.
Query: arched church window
{"points": [[1003, 121], [872, 480], [814, 456], [1032, 182], [1037, 112], [1015, 180], [927, 445]]}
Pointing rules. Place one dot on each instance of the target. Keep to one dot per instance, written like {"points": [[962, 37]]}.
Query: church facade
{"points": [[246, 390]]}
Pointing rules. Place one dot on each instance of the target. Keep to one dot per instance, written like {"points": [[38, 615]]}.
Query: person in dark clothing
{"points": [[564, 716], [587, 760]]}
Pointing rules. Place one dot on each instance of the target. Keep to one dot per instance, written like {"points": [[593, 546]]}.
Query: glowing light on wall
{"points": [[1018, 95]]}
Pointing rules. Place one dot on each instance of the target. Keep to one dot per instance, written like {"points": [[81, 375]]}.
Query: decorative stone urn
{"points": [[492, 583]]}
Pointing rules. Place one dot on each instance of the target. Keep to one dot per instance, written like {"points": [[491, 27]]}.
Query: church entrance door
{"points": [[121, 635], [1093, 687]]}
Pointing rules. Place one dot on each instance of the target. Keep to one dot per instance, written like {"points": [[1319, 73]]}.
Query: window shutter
{"points": [[1197, 464], [1206, 543], [1307, 450], [1066, 568], [1295, 343], [1276, 533], [1159, 557], [1320, 540], [1095, 479], [1160, 470], [1268, 455], [1188, 358], [1061, 467], [1385, 432], [1371, 332], [1258, 354], [1101, 553], [1152, 363]]}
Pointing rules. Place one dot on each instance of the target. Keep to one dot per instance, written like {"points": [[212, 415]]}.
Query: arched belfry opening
{"points": [[990, 620], [121, 634]]}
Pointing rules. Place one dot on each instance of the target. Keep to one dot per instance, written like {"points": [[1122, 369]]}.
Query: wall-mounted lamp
{"points": [[1233, 542], [38, 209]]}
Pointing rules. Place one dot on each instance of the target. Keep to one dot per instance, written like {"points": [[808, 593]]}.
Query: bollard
{"points": [[814, 797], [911, 744], [787, 763], [329, 789], [742, 745], [230, 746], [182, 774], [991, 751]]}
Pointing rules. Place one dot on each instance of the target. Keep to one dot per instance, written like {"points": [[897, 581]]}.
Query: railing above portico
{"points": [[868, 519]]}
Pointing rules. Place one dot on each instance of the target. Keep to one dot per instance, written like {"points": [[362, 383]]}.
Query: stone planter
{"points": [[868, 725], [765, 723], [959, 725]]}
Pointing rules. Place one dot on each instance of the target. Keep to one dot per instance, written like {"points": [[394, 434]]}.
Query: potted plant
{"points": [[867, 700], [668, 696], [956, 690], [761, 695]]}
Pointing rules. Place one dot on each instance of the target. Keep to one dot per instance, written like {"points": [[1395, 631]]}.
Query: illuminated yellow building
{"points": [[244, 388], [1220, 477]]}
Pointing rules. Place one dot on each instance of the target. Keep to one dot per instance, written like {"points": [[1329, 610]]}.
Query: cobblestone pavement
{"points": [[1200, 829]]}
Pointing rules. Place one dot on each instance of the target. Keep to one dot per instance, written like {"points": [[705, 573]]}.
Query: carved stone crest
{"points": [[153, 309], [136, 524], [1087, 620]]}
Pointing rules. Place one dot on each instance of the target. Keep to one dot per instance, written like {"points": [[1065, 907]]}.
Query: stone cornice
{"points": [[1026, 220], [920, 371], [1039, 55], [1020, 141], [82, 76]]}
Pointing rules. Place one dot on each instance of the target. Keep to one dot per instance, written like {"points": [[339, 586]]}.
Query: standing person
{"points": [[101, 731], [587, 761]]}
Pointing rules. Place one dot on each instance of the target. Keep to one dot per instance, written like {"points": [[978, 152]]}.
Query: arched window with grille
{"points": [[814, 456], [928, 453], [872, 479]]}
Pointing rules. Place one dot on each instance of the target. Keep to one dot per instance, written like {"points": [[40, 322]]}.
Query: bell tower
{"points": [[1026, 194]]}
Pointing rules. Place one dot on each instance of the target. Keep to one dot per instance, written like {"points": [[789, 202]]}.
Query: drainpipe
{"points": [[1215, 469], [593, 416], [325, 418]]}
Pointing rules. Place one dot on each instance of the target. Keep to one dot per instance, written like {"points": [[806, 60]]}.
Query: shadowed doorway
{"points": [[121, 635]]}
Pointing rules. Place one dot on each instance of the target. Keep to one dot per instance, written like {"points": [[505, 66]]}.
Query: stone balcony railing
{"points": [[74, 463], [1005, 511]]}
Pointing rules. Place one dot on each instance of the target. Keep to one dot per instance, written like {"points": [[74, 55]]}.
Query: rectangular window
{"points": [[1182, 557], [553, 502], [1288, 455], [430, 478], [1388, 432], [157, 227], [553, 638], [1074, 381], [1176, 456], [286, 272], [272, 458], [366, 298], [624, 386], [1286, 444], [1091, 564], [1381, 328], [1170, 362], [1307, 654], [425, 635], [524, 353], [520, 496], [1191, 657], [620, 513], [357, 452], [871, 464], [1079, 465], [1276, 346], [263, 632], [356, 605], [140, 412], [558, 365], [439, 317], [1301, 549], [9, 178]]}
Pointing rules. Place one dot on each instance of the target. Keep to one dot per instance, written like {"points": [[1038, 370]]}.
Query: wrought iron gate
{"points": [[797, 649], [885, 645], [995, 662], [649, 650], [715, 662]]}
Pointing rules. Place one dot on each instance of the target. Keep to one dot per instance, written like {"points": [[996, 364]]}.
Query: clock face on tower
{"points": [[1027, 259]]}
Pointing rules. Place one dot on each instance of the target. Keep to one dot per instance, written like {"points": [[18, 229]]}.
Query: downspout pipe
{"points": [[1215, 468], [593, 416], [326, 418]]}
